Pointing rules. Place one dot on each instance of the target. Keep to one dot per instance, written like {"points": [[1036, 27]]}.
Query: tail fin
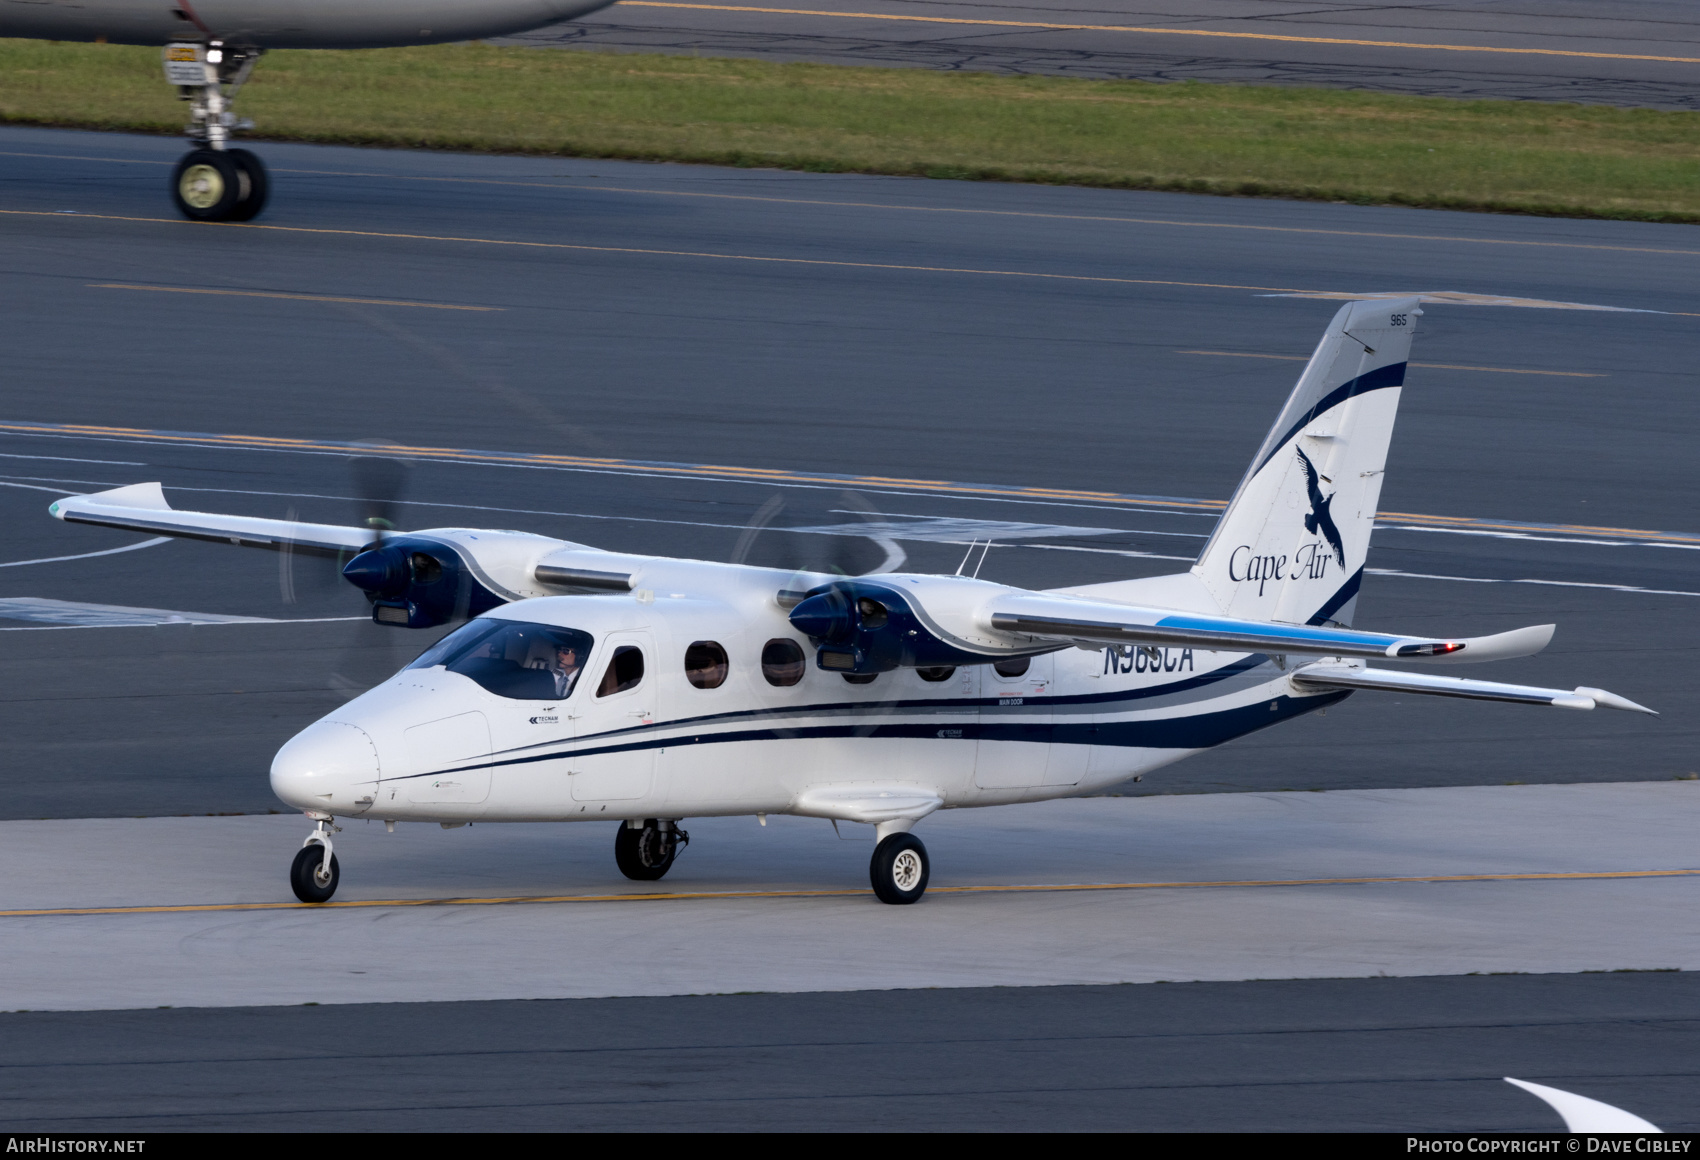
{"points": [[1292, 543]]}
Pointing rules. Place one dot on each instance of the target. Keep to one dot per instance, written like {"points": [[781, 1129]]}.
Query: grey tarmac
{"points": [[1368, 1055]]}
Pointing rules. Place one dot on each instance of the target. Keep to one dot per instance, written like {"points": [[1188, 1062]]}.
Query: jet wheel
{"points": [[308, 880], [647, 854], [258, 184], [211, 185], [899, 870]]}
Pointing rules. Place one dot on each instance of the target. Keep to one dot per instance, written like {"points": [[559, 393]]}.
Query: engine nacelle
{"points": [[863, 626], [417, 582]]}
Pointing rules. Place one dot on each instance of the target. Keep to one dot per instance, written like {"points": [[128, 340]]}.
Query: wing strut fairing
{"points": [[1325, 676]]}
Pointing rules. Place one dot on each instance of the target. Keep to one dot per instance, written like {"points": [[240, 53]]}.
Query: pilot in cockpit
{"points": [[566, 668]]}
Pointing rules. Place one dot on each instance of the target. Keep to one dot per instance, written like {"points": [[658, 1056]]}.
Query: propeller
{"points": [[859, 546], [372, 653], [380, 482]]}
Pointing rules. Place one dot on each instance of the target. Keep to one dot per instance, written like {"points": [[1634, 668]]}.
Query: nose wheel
{"points": [[314, 873], [214, 183], [219, 185], [646, 854]]}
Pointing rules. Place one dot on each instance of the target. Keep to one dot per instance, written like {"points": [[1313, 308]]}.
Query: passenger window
{"points": [[941, 673], [1013, 668], [782, 662], [705, 664], [624, 671], [860, 678]]}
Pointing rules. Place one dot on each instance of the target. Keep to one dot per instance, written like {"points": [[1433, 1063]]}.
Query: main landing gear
{"points": [[213, 182], [899, 869], [644, 851], [314, 873]]}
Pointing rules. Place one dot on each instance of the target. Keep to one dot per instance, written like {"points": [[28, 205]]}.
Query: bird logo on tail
{"points": [[1320, 521]]}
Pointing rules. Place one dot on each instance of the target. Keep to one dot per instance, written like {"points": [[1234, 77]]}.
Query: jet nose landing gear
{"points": [[214, 183]]}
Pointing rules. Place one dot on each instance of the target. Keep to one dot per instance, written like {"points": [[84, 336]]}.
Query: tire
{"points": [[647, 854], [207, 186], [258, 186], [304, 875], [899, 870]]}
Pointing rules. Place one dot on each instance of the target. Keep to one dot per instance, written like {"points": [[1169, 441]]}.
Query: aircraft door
{"points": [[1015, 734], [617, 754]]}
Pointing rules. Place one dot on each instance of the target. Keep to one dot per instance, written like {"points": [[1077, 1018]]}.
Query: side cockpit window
{"points": [[528, 662], [625, 671]]}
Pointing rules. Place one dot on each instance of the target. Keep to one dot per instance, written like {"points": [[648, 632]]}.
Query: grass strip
{"points": [[1316, 144]]}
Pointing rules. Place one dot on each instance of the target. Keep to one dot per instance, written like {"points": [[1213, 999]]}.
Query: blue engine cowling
{"points": [[414, 582], [861, 626]]}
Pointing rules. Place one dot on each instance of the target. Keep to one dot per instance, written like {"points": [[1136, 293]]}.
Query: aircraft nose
{"points": [[328, 766]]}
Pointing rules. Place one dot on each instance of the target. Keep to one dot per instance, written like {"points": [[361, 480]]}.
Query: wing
{"points": [[1336, 675], [1102, 623], [142, 507]]}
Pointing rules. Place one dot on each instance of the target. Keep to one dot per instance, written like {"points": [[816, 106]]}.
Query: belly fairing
{"points": [[288, 23]]}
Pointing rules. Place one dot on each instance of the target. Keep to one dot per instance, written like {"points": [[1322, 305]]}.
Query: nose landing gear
{"points": [[645, 852], [314, 873], [214, 183]]}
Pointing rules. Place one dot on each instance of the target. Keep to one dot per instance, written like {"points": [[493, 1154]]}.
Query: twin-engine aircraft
{"points": [[211, 47], [592, 686]]}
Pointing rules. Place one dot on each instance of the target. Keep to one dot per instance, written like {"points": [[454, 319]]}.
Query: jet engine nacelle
{"points": [[418, 582]]}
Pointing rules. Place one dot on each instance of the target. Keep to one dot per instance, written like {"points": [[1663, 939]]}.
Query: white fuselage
{"points": [[430, 744], [286, 23]]}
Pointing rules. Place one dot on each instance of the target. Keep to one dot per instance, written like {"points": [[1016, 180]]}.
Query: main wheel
{"points": [[208, 186], [647, 854], [253, 200], [306, 878], [899, 870]]}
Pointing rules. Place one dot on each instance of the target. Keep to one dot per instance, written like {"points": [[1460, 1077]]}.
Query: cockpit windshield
{"points": [[529, 662]]}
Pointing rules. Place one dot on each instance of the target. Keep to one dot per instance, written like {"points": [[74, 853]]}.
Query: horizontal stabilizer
{"points": [[1102, 623], [142, 507], [1333, 675]]}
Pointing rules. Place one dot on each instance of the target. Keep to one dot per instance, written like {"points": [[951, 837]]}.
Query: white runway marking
{"points": [[76, 614], [1541, 539], [68, 459], [90, 555], [1547, 583]]}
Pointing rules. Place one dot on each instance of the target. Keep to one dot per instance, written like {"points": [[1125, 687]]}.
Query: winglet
{"points": [[1501, 646], [137, 495]]}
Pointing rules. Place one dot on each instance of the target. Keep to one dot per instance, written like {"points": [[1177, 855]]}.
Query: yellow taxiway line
{"points": [[1053, 27], [295, 297], [716, 895]]}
